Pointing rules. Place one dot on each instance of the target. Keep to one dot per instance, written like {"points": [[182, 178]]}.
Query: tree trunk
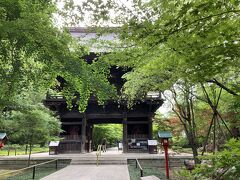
{"points": [[26, 149], [185, 112], [195, 154], [194, 146], [29, 155]]}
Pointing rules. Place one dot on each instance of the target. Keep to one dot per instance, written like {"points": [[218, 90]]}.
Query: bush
{"points": [[222, 165], [180, 141]]}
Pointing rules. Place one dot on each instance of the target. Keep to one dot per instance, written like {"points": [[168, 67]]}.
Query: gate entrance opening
{"points": [[111, 132]]}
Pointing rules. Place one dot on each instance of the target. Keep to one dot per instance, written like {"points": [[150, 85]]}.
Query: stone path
{"points": [[91, 172], [111, 167], [113, 164]]}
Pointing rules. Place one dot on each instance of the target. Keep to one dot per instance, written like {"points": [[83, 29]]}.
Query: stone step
{"points": [[101, 160]]}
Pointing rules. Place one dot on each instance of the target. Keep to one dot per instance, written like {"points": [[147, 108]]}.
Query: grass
{"points": [[148, 170], [20, 150], [27, 175], [179, 149], [40, 172]]}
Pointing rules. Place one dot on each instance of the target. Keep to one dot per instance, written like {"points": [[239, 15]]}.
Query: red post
{"points": [[165, 145]]}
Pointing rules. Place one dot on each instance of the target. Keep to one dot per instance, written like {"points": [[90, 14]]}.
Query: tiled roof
{"points": [[89, 37], [165, 134], [3, 135]]}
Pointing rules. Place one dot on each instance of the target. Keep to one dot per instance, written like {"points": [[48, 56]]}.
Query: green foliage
{"points": [[164, 41], [112, 132], [180, 141], [35, 125], [21, 149], [183, 174], [34, 52], [28, 121], [230, 106], [168, 44], [160, 124], [222, 165]]}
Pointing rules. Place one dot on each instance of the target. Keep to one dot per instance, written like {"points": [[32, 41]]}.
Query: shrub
{"points": [[180, 141], [222, 165]]}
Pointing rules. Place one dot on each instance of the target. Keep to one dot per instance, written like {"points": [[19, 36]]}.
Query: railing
{"points": [[30, 167], [140, 167], [99, 150], [14, 149]]}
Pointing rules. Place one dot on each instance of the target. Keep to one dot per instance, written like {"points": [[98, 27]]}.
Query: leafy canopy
{"points": [[165, 41], [33, 52], [28, 121]]}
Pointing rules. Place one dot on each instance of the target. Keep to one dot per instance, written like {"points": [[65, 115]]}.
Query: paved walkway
{"points": [[91, 172]]}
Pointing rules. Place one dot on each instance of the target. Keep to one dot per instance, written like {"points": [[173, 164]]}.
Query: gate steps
{"points": [[102, 160]]}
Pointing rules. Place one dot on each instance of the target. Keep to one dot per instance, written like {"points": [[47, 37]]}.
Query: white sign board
{"points": [[53, 143], [152, 142], [120, 146]]}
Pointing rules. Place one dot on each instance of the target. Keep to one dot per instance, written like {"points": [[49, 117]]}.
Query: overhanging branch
{"points": [[215, 81]]}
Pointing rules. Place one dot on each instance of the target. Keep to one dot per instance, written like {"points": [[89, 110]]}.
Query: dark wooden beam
{"points": [[104, 121], [137, 122], [138, 114], [71, 123], [104, 116], [115, 115]]}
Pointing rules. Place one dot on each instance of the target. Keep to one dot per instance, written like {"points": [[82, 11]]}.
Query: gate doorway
{"points": [[112, 132]]}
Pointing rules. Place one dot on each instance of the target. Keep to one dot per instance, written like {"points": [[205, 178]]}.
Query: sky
{"points": [[86, 22], [166, 108]]}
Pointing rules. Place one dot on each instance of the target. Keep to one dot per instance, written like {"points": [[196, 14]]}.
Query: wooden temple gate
{"points": [[78, 127]]}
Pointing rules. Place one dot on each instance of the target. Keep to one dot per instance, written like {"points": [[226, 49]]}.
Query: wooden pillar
{"points": [[89, 137], [83, 134], [150, 126], [125, 140]]}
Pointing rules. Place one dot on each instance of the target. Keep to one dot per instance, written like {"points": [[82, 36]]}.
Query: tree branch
{"points": [[215, 81]]}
